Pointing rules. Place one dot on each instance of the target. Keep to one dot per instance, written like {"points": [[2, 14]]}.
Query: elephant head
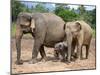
{"points": [[72, 30], [26, 22], [60, 49]]}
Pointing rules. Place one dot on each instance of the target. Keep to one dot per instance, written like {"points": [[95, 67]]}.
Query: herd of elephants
{"points": [[50, 30]]}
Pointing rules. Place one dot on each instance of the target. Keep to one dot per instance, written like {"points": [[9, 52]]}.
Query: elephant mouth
{"points": [[27, 30]]}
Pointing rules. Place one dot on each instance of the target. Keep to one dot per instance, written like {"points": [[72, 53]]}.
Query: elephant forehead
{"points": [[70, 23]]}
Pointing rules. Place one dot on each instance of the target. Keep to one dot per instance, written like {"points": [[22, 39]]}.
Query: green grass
{"points": [[94, 33], [13, 29]]}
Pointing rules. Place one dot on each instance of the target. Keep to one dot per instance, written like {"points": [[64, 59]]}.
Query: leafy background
{"points": [[67, 12]]}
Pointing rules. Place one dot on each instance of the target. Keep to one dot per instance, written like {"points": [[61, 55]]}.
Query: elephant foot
{"points": [[19, 62], [75, 55], [56, 58], [86, 57], [68, 61], [73, 58], [33, 61], [63, 60], [44, 59], [83, 58]]}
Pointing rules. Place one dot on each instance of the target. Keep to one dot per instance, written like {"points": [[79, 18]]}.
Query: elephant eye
{"points": [[23, 26]]}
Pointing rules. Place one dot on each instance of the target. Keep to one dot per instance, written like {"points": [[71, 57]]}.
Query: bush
{"points": [[66, 14]]}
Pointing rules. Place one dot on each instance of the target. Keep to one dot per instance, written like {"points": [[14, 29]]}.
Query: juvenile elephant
{"points": [[78, 33], [46, 28], [61, 50]]}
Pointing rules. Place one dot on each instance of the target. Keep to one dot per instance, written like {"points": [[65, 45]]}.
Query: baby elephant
{"points": [[60, 51]]}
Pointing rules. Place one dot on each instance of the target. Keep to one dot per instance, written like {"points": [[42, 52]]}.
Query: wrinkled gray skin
{"points": [[49, 30], [60, 51], [78, 33]]}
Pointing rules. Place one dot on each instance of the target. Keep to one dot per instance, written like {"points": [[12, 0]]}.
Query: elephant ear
{"points": [[32, 25], [77, 26]]}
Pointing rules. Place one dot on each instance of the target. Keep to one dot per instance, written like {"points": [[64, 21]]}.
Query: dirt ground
{"points": [[49, 65]]}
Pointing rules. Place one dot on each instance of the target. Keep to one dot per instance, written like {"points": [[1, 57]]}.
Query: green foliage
{"points": [[65, 13], [80, 14], [40, 8], [93, 16], [88, 16], [81, 9], [17, 7]]}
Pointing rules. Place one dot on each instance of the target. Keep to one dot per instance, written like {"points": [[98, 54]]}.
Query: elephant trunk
{"points": [[18, 46], [18, 42], [69, 42]]}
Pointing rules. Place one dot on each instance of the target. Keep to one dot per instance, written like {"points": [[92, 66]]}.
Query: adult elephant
{"points": [[46, 28], [79, 34]]}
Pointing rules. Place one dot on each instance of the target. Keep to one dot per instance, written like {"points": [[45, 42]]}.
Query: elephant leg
{"points": [[69, 42], [18, 45], [79, 51], [79, 46], [87, 51], [63, 57], [42, 53], [73, 50], [74, 43], [56, 54], [40, 32], [73, 55], [35, 51], [69, 54]]}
